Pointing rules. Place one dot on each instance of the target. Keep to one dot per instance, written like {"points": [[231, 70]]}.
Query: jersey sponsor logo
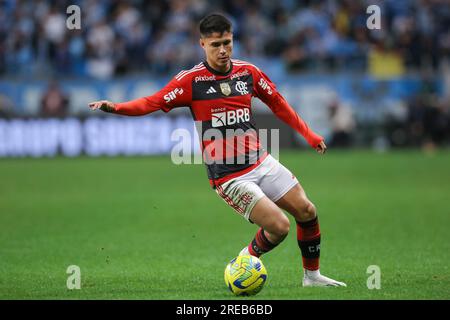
{"points": [[172, 95], [239, 74], [241, 87], [265, 86], [219, 119], [231, 117], [205, 78], [225, 88], [211, 90], [220, 109]]}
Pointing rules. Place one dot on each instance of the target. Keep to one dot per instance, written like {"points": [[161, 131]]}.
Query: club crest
{"points": [[225, 88]]}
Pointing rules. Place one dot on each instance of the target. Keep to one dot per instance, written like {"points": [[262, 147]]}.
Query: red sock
{"points": [[260, 244], [308, 238]]}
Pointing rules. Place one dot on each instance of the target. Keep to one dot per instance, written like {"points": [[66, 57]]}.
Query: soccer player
{"points": [[218, 92]]}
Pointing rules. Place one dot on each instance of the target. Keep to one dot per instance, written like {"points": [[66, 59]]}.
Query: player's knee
{"points": [[307, 211]]}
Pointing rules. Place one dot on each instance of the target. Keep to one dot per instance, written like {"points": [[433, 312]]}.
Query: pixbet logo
{"points": [[172, 95], [230, 117], [239, 74], [205, 78]]}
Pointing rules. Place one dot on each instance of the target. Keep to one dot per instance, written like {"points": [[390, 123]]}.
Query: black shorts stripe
{"points": [[218, 170]]}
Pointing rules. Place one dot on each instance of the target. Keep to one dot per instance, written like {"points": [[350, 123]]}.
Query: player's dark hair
{"points": [[214, 23]]}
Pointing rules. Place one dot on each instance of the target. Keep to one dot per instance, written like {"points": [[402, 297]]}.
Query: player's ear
{"points": [[201, 42]]}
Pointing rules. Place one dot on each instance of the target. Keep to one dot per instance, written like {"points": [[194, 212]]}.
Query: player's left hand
{"points": [[322, 147]]}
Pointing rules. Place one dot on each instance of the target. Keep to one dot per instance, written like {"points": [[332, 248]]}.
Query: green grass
{"points": [[143, 228]]}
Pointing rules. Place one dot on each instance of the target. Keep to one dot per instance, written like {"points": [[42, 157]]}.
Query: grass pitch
{"points": [[143, 228]]}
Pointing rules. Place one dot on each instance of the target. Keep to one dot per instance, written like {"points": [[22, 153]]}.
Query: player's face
{"points": [[218, 49]]}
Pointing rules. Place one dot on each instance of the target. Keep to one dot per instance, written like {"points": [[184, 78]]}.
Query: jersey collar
{"points": [[218, 73]]}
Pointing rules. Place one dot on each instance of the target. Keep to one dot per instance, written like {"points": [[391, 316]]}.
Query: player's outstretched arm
{"points": [[174, 94], [137, 107]]}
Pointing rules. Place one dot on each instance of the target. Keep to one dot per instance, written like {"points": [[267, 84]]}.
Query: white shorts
{"points": [[270, 179]]}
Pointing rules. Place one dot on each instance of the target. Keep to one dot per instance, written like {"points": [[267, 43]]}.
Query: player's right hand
{"points": [[103, 105], [322, 147]]}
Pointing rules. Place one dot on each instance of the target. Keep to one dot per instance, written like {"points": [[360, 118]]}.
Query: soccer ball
{"points": [[245, 275]]}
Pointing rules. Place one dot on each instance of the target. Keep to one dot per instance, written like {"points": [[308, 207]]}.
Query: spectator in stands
{"points": [[6, 106], [54, 102], [385, 62], [428, 118], [342, 124]]}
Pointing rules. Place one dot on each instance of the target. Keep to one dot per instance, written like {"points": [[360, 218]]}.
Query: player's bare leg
{"points": [[274, 227], [303, 210]]}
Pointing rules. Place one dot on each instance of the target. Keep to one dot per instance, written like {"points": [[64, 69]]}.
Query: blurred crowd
{"points": [[425, 121], [421, 121], [120, 37], [160, 37]]}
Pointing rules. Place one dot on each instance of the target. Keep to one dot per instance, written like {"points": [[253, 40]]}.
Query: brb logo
{"points": [[230, 117], [172, 95]]}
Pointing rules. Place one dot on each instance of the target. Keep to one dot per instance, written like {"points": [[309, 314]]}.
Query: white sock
{"points": [[312, 273]]}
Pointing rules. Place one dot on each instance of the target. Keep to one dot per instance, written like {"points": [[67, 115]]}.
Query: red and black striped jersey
{"points": [[220, 104]]}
